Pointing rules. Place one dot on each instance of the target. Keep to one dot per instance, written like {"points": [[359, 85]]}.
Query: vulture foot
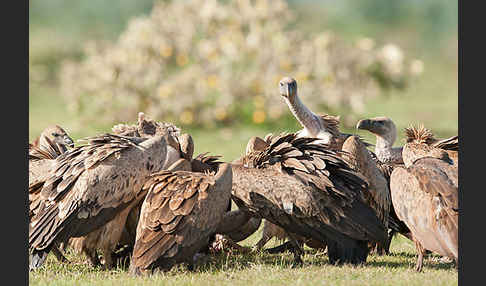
{"points": [[420, 258]]}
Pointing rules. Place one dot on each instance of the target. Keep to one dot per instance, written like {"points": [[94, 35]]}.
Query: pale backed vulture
{"points": [[180, 213], [89, 185], [425, 196], [307, 189]]}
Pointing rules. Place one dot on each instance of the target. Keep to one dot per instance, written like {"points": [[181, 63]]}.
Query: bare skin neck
{"points": [[305, 116], [385, 152]]}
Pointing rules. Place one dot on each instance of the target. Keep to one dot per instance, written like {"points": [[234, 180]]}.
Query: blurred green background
{"points": [[424, 30]]}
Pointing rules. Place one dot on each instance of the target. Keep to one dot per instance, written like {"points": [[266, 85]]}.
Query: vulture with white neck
{"points": [[325, 127]]}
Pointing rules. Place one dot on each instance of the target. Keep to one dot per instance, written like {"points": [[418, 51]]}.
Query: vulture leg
{"points": [[420, 257], [281, 248], [115, 236], [296, 249], [58, 254], [261, 243], [93, 259]]}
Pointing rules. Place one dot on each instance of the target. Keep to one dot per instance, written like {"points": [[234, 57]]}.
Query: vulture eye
{"points": [[55, 134]]}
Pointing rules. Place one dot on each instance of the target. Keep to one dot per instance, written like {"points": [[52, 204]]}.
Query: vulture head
{"points": [[288, 87], [380, 126], [57, 135]]}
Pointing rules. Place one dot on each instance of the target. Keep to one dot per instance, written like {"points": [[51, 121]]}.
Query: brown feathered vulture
{"points": [[52, 142], [121, 230], [425, 195], [89, 185], [181, 212], [378, 195], [310, 191]]}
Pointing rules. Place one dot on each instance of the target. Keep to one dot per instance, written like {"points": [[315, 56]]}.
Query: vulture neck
{"points": [[305, 116], [385, 152]]}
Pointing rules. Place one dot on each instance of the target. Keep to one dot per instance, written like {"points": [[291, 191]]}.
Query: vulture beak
{"points": [[284, 89], [364, 124], [68, 141]]}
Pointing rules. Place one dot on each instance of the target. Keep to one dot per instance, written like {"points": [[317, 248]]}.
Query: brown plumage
{"points": [[425, 195], [424, 136], [378, 195], [389, 157], [52, 142], [310, 191], [180, 213], [108, 237], [89, 185], [270, 230], [57, 135]]}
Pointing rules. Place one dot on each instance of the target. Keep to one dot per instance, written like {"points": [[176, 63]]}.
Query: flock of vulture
{"points": [[139, 192]]}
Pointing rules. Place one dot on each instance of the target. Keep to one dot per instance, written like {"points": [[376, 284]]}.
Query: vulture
{"points": [[325, 127], [425, 195], [108, 237], [180, 213], [378, 195], [90, 185], [55, 134], [310, 191], [386, 134], [52, 142], [271, 230]]}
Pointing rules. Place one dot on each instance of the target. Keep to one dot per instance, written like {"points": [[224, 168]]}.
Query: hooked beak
{"points": [[68, 141], [364, 124], [285, 90]]}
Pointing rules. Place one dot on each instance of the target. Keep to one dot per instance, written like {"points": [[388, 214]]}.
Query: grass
{"points": [[263, 269]]}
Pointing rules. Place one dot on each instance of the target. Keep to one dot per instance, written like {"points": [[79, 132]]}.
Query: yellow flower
{"points": [[165, 51], [212, 81], [182, 59], [220, 114], [258, 116], [186, 117]]}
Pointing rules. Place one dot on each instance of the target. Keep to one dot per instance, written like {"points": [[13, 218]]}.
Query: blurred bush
{"points": [[207, 62]]}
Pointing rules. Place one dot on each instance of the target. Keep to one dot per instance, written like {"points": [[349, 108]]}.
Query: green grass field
{"points": [[263, 269]]}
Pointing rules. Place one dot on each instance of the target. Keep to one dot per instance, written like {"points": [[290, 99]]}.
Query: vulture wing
{"points": [[180, 212], [88, 185], [308, 190], [425, 197]]}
